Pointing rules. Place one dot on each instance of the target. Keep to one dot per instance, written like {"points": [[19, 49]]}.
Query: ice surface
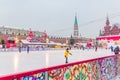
{"points": [[15, 62]]}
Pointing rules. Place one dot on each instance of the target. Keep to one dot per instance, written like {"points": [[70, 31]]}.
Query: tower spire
{"points": [[107, 21], [75, 23], [76, 32]]}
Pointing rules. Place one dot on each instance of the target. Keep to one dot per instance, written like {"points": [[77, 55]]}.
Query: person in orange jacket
{"points": [[66, 54]]}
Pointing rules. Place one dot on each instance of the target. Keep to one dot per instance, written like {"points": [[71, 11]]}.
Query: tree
{"points": [[13, 33], [2, 41], [72, 41]]}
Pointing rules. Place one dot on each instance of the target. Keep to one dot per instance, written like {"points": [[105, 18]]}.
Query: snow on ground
{"points": [[15, 62]]}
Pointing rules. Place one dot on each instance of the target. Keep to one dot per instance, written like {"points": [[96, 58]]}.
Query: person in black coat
{"points": [[28, 48], [116, 50]]}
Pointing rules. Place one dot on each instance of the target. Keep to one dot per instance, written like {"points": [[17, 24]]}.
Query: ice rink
{"points": [[15, 62]]}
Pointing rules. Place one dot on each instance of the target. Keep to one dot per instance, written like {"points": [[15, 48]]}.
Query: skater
{"points": [[96, 47], [19, 49], [111, 47], [116, 50], [66, 54], [20, 46], [28, 48]]}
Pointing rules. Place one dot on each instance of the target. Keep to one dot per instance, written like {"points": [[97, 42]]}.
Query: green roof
{"points": [[75, 20]]}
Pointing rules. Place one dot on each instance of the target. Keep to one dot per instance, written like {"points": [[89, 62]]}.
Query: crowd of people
{"points": [[87, 46], [116, 49]]}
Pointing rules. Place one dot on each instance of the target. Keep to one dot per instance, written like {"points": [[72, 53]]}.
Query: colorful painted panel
{"points": [[118, 64], [38, 76], [95, 71], [85, 71], [108, 68], [103, 69]]}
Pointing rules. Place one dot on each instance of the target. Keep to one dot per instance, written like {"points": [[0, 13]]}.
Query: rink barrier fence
{"points": [[22, 49], [103, 68]]}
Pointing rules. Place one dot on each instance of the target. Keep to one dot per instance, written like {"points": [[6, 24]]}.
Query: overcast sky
{"points": [[57, 16]]}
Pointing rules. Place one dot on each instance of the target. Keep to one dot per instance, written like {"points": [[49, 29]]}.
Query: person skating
{"points": [[28, 48], [111, 47], [20, 46], [96, 47], [66, 54], [116, 50]]}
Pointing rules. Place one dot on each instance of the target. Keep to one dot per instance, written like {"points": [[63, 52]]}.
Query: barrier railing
{"points": [[104, 68], [22, 49]]}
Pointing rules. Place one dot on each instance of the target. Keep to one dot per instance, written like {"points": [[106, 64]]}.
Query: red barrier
{"points": [[19, 75]]}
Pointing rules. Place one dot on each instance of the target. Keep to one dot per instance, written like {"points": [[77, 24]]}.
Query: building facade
{"points": [[20, 33], [17, 32], [23, 34], [110, 30]]}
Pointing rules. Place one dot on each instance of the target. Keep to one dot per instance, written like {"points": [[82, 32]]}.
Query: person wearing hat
{"points": [[66, 54]]}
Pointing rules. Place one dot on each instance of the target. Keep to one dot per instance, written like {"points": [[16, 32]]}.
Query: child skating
{"points": [[66, 54]]}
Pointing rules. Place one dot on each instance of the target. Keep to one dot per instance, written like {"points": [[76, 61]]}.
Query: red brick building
{"points": [[110, 30], [23, 34]]}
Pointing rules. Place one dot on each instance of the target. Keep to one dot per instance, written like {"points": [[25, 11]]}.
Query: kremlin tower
{"points": [[107, 27], [76, 30]]}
